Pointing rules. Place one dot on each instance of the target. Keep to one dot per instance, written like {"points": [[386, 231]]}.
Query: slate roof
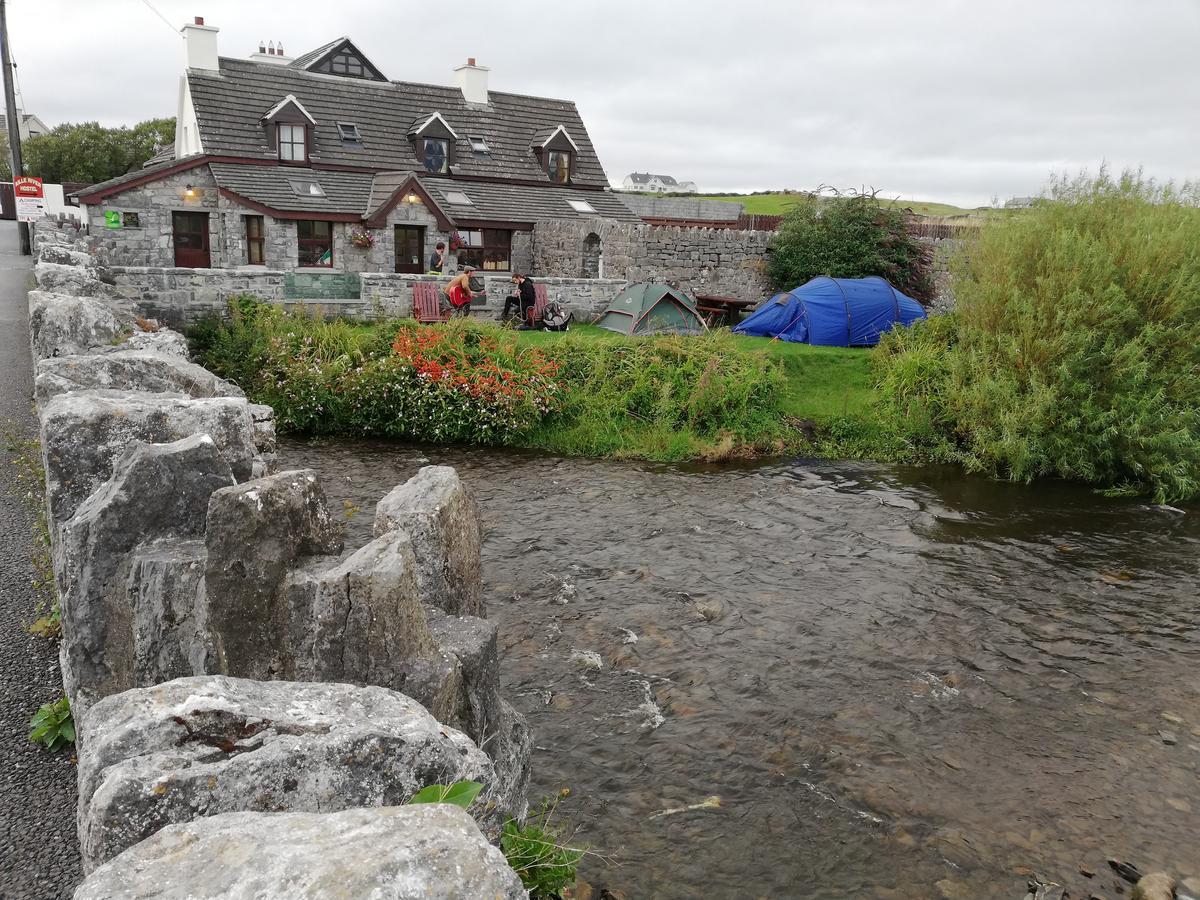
{"points": [[230, 105], [303, 62], [362, 193], [345, 192], [150, 169], [523, 203]]}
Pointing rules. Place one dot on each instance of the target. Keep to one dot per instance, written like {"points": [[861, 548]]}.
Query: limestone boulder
{"points": [[64, 255], [63, 325], [202, 746], [392, 853], [128, 370], [442, 520], [164, 340], [257, 533], [83, 432], [80, 281], [125, 621]]}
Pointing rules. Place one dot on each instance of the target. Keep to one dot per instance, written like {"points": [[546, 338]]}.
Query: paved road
{"points": [[39, 853]]}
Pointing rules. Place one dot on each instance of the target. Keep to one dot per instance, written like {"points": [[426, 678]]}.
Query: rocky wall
{"points": [[718, 261], [226, 657]]}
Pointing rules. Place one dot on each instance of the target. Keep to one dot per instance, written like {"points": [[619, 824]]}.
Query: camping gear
{"points": [[652, 309], [834, 312], [555, 316]]}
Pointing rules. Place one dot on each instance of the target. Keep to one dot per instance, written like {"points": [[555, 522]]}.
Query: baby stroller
{"points": [[556, 317]]}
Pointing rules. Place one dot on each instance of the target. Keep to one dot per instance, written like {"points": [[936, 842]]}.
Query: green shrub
{"points": [[1075, 347], [52, 725], [849, 236], [461, 794], [536, 852]]}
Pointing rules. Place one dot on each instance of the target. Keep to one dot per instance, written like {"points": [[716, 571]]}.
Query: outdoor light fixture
{"points": [[412, 198], [189, 191]]}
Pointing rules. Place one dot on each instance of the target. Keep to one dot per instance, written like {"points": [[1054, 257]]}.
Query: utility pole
{"points": [[14, 123]]}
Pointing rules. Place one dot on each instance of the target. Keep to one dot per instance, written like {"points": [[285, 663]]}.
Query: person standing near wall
{"points": [[437, 259]]}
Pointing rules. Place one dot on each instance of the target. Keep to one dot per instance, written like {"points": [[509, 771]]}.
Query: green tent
{"points": [[652, 309]]}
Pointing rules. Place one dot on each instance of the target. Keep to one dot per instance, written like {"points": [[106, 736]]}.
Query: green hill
{"points": [[776, 204]]}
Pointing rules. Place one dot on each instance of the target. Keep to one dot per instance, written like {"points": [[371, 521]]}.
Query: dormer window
{"points": [[435, 154], [293, 143], [348, 132], [558, 165]]}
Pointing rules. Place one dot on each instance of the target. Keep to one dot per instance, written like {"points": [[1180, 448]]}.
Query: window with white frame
{"points": [[293, 143], [458, 198]]}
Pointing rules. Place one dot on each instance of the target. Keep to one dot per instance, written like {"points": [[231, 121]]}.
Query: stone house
{"points": [[322, 164], [645, 182]]}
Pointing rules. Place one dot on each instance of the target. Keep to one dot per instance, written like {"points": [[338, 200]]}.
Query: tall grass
{"points": [[1075, 347]]}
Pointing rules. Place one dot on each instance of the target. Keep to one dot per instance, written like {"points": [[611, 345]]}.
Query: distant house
{"points": [[29, 125], [657, 184], [1019, 202]]}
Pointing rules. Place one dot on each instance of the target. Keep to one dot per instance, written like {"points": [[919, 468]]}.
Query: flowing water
{"points": [[898, 682]]}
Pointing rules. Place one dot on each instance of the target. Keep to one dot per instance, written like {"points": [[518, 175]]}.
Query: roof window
{"points": [[581, 206], [458, 198], [307, 189], [479, 145], [348, 131]]}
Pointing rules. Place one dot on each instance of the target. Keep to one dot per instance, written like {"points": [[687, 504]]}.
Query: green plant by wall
{"points": [[52, 725], [849, 236], [25, 457], [1074, 350], [461, 794], [537, 853]]}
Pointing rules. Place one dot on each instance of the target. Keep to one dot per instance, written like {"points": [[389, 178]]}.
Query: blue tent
{"points": [[833, 312]]}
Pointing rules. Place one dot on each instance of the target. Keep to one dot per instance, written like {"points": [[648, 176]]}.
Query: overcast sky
{"points": [[951, 100]]}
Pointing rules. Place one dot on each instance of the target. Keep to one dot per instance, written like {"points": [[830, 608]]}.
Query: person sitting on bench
{"points": [[524, 298], [457, 297]]}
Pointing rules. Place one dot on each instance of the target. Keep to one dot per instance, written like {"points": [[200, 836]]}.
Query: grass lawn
{"points": [[777, 205], [822, 383]]}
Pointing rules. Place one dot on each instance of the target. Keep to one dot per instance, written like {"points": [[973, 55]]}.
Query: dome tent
{"points": [[652, 309], [833, 312]]}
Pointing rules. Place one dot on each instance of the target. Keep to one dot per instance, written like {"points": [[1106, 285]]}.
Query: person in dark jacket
{"points": [[524, 297], [437, 259]]}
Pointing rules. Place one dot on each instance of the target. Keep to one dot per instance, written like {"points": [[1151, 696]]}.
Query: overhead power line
{"points": [[166, 21]]}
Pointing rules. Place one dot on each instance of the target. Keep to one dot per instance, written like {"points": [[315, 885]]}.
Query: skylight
{"points": [[348, 131], [307, 189], [581, 206], [458, 198], [479, 145]]}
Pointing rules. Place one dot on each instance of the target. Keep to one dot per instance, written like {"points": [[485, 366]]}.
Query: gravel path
{"points": [[39, 853]]}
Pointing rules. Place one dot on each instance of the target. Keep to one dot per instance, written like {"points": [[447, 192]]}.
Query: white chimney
{"points": [[200, 45], [472, 80], [271, 53]]}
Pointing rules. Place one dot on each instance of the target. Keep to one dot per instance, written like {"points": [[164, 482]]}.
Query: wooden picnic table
{"points": [[721, 310]]}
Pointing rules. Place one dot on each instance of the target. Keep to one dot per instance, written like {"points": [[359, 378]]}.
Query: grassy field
{"points": [[821, 383], [777, 205]]}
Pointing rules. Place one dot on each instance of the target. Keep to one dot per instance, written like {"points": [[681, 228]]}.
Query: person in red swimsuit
{"points": [[459, 293]]}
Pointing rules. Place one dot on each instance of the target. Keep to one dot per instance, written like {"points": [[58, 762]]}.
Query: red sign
{"points": [[27, 186]]}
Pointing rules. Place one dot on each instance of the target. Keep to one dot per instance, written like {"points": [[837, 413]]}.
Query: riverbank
{"points": [[587, 392]]}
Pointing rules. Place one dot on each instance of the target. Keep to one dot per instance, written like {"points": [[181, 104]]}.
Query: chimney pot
{"points": [[470, 60], [199, 20], [279, 49], [262, 47]]}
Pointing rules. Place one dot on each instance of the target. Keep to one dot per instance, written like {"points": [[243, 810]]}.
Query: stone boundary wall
{"points": [[720, 261], [180, 296], [239, 678]]}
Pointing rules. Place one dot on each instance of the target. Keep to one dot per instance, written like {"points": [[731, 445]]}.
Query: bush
{"points": [[536, 852], [849, 236], [1075, 347]]}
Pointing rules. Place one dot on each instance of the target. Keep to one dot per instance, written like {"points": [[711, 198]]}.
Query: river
{"points": [[899, 682]]}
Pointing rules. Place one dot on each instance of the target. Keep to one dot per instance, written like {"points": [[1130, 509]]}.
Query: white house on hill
{"points": [[657, 184]]}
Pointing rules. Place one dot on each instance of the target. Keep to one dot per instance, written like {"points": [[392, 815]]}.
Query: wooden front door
{"points": [[410, 249], [191, 240]]}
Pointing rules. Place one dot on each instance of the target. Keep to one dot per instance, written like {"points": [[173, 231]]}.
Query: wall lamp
{"points": [[189, 192], [412, 198]]}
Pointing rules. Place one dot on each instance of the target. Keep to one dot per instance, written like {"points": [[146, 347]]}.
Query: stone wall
{"points": [[150, 242], [225, 657], [717, 261], [179, 297]]}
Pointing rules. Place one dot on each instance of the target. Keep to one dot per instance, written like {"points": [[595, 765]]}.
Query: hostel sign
{"points": [[31, 201]]}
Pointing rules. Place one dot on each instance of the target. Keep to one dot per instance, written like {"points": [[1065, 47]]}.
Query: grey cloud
{"points": [[948, 100]]}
